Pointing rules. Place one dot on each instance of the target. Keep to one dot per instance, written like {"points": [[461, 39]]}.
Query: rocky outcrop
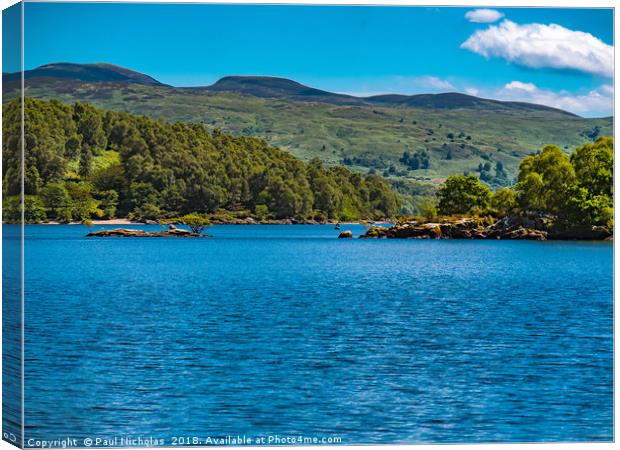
{"points": [[582, 233], [125, 232], [463, 228], [455, 229], [516, 227], [345, 235], [512, 227]]}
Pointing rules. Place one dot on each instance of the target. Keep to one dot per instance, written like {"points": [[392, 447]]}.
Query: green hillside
{"points": [[83, 163], [438, 135]]}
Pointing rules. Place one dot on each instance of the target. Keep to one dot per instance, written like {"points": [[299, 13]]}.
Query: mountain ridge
{"points": [[93, 72], [277, 87]]}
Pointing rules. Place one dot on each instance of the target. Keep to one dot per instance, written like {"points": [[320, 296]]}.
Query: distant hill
{"points": [[408, 139], [455, 100], [273, 87], [85, 72]]}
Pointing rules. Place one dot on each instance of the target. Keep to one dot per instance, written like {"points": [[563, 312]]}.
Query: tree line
{"points": [[82, 163], [573, 190]]}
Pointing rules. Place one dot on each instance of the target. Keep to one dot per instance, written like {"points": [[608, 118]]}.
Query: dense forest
{"points": [[422, 139], [570, 190], [83, 163]]}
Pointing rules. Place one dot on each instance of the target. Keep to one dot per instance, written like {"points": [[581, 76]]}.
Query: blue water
{"points": [[286, 330]]}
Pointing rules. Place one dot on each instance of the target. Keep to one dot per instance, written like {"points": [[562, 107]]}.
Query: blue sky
{"points": [[359, 50]]}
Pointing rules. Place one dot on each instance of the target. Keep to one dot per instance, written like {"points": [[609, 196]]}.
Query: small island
{"points": [[512, 227], [125, 232], [196, 223], [556, 197]]}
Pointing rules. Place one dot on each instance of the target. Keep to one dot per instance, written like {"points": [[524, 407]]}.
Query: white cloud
{"points": [[592, 102], [596, 102], [483, 15], [472, 91], [543, 46], [518, 85], [397, 85], [433, 83]]}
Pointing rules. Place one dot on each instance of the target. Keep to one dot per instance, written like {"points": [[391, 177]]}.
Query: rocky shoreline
{"points": [[515, 227], [252, 221], [511, 228], [218, 221]]}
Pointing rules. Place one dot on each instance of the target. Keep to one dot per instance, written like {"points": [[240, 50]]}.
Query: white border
{"points": [[474, 3]]}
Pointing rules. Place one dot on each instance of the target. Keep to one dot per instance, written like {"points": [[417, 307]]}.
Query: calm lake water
{"points": [[286, 330]]}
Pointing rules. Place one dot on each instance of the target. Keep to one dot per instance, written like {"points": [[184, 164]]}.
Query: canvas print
{"points": [[258, 225]]}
